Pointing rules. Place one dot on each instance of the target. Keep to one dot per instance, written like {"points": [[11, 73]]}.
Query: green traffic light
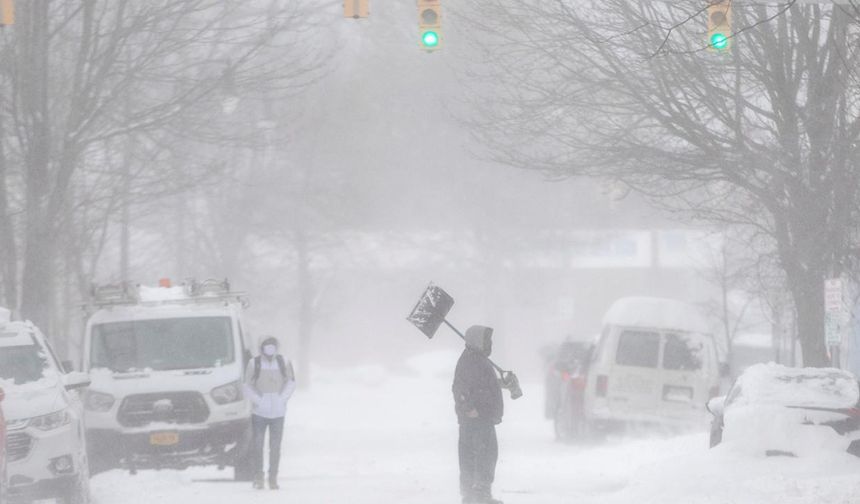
{"points": [[719, 41], [430, 39]]}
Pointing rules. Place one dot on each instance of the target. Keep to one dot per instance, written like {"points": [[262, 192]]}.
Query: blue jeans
{"points": [[276, 432]]}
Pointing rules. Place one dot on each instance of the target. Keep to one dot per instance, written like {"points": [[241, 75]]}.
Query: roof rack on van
{"points": [[190, 292], [114, 294]]}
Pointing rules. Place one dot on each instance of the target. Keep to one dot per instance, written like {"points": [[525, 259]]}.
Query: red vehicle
{"points": [[3, 485], [565, 388]]}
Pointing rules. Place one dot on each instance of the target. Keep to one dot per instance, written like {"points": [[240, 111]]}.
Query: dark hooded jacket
{"points": [[476, 385]]}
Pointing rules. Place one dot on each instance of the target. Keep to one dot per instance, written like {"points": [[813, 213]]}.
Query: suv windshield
{"points": [[163, 344], [22, 364]]}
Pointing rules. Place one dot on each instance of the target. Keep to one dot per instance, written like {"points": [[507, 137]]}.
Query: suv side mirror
{"points": [[68, 366], [76, 380], [716, 405]]}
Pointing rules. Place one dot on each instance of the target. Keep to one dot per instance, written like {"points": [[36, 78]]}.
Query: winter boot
{"points": [[484, 495], [258, 481], [273, 483]]}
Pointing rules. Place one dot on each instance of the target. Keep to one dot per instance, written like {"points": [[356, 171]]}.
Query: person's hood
{"points": [[479, 338], [270, 340]]}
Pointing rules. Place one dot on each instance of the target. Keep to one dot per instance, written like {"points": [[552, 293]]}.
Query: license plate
{"points": [[164, 438], [677, 394]]}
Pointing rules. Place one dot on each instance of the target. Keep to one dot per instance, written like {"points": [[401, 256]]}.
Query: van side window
{"points": [[638, 348], [683, 352]]}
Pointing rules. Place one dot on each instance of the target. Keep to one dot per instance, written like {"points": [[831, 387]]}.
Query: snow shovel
{"points": [[429, 314]]}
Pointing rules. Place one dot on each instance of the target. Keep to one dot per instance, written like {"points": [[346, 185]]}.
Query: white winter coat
{"points": [[270, 393]]}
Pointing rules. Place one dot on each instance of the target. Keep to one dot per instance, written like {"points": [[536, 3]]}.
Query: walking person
{"points": [[479, 406], [269, 383]]}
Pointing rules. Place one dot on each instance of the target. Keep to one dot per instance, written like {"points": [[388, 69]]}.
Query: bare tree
{"points": [[81, 76], [763, 136]]}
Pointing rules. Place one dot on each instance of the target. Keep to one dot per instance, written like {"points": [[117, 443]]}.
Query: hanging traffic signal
{"points": [[356, 8], [430, 24], [719, 25], [7, 12]]}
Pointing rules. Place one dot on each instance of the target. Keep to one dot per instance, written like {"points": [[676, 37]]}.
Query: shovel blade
{"points": [[431, 310]]}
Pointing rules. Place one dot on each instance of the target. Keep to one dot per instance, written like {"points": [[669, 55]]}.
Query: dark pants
{"points": [[276, 432], [479, 451]]}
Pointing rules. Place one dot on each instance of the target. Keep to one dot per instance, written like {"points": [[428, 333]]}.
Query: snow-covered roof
{"points": [[810, 387], [656, 313], [153, 294]]}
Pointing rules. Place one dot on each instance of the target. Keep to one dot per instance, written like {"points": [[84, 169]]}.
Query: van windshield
{"points": [[163, 344], [684, 352]]}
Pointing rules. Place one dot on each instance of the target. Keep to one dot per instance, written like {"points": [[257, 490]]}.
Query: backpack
{"points": [[258, 364]]}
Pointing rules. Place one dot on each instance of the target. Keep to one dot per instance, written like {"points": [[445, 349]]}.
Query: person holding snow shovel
{"points": [[479, 407]]}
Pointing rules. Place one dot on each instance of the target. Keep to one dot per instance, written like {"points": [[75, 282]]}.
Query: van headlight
{"points": [[226, 394], [51, 421], [98, 401]]}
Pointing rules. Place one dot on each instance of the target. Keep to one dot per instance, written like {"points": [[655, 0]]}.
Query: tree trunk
{"points": [[40, 242], [8, 250], [808, 291]]}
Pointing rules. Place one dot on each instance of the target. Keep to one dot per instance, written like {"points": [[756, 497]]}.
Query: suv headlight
{"points": [[98, 401], [226, 394], [51, 421]]}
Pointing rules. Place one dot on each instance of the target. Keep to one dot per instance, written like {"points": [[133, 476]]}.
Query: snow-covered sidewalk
{"points": [[364, 436]]}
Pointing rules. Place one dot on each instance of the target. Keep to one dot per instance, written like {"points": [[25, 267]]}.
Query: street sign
{"points": [[835, 311]]}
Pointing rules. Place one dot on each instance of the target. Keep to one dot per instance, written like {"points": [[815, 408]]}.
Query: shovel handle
{"points": [[500, 370]]}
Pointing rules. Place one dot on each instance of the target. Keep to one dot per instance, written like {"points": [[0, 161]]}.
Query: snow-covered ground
{"points": [[369, 436]]}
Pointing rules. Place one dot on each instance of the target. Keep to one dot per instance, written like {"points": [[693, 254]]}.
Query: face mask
{"points": [[270, 350]]}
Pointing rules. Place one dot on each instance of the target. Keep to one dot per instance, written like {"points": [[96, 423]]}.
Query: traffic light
{"points": [[719, 25], [430, 24], [7, 12], [356, 8]]}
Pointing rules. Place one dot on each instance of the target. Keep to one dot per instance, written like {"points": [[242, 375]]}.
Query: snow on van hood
{"points": [[656, 313], [147, 380]]}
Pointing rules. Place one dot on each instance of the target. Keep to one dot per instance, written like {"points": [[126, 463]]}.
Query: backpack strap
{"points": [[282, 366], [257, 366]]}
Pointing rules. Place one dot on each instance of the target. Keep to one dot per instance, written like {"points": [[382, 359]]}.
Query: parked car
{"points": [[3, 479], [776, 410], [167, 365], [564, 389], [45, 436], [655, 364]]}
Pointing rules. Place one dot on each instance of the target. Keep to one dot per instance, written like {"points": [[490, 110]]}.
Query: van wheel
{"points": [[243, 463]]}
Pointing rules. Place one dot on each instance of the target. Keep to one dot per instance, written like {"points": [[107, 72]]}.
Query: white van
{"points": [[167, 368], [655, 363]]}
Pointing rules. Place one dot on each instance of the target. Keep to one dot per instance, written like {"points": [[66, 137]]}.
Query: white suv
{"points": [[45, 443]]}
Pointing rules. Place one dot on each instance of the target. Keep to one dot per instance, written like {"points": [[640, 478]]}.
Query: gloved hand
{"points": [[512, 383]]}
